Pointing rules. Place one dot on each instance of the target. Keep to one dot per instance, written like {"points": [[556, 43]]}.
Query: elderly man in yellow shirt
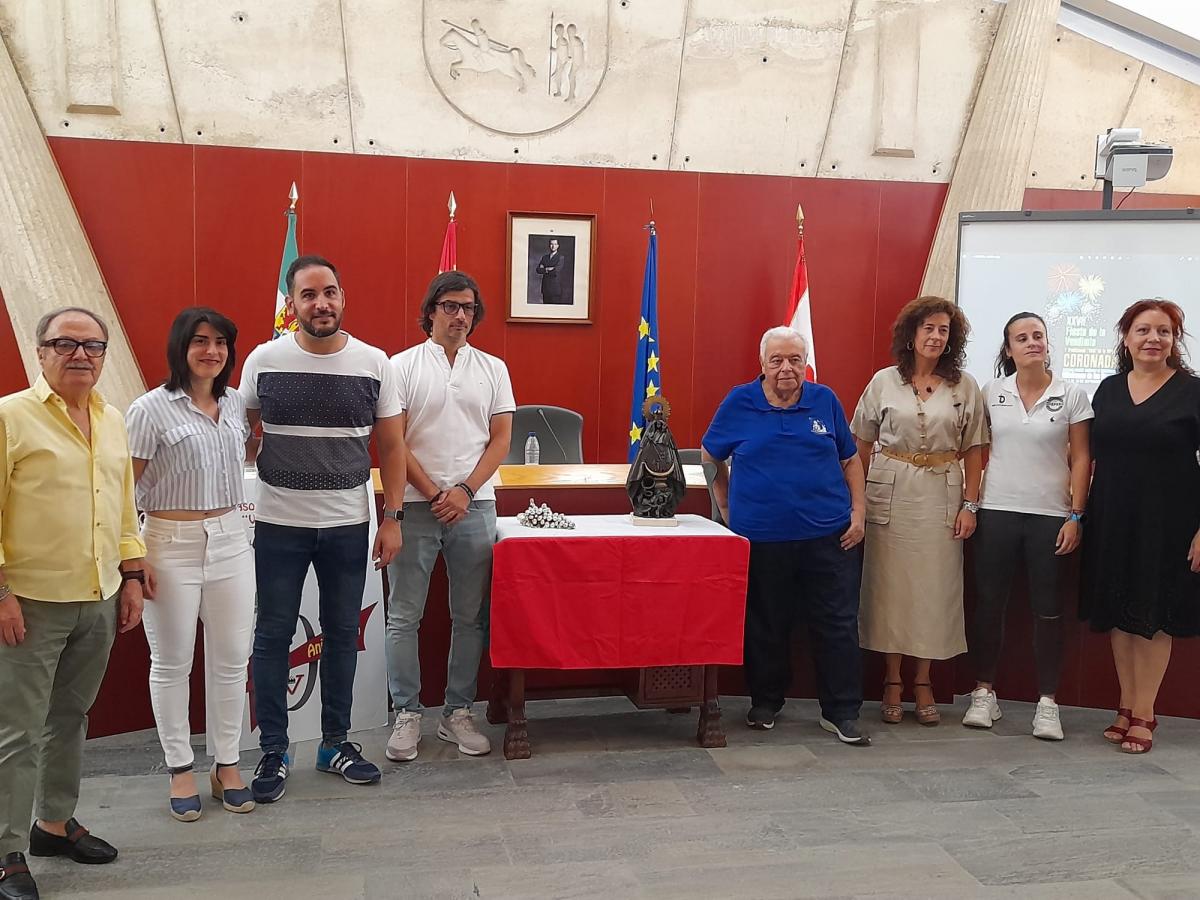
{"points": [[70, 574]]}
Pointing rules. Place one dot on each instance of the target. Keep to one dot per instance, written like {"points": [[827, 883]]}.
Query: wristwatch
{"points": [[1075, 516], [971, 506], [5, 592], [138, 575], [397, 514]]}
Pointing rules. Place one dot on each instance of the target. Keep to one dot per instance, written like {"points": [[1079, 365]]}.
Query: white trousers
{"points": [[204, 571]]}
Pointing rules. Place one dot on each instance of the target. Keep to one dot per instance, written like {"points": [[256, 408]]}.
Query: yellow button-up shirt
{"points": [[67, 514]]}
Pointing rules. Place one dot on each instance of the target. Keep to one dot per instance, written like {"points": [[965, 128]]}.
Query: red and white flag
{"points": [[799, 311]]}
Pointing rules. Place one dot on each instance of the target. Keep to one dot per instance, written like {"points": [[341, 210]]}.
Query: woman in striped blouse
{"points": [[188, 440]]}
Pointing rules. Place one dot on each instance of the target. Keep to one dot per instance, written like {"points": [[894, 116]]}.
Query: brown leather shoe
{"points": [[79, 844]]}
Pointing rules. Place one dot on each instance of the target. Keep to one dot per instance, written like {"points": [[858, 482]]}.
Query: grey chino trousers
{"points": [[48, 683]]}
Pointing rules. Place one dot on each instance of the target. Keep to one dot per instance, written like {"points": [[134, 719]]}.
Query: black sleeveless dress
{"points": [[1143, 511]]}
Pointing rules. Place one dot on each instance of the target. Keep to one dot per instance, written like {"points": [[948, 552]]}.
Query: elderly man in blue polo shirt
{"points": [[797, 493]]}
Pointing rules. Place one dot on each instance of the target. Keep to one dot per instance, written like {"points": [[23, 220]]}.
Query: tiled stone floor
{"points": [[619, 803]]}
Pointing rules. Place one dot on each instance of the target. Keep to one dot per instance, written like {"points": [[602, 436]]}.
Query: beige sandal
{"points": [[891, 713], [926, 715]]}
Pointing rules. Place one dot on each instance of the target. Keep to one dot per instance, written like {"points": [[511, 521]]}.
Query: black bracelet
{"points": [[466, 487], [138, 575]]}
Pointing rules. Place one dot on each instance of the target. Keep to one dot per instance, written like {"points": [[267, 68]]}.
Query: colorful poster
{"points": [[370, 708]]}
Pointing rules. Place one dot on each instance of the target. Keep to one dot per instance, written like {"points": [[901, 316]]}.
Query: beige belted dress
{"points": [[912, 585]]}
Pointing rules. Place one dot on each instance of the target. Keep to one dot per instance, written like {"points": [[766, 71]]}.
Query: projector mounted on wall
{"points": [[1123, 161]]}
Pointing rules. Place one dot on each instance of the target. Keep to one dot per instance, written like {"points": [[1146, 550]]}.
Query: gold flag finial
{"points": [[452, 204], [293, 195], [800, 220]]}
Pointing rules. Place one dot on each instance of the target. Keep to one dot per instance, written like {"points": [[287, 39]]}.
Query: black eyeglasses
{"points": [[67, 347], [450, 308]]}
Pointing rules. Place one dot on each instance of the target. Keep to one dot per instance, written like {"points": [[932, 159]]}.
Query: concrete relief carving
{"points": [[477, 52], [519, 68], [897, 80], [92, 56]]}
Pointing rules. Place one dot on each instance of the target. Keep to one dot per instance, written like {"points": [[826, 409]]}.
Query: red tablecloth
{"points": [[613, 595]]}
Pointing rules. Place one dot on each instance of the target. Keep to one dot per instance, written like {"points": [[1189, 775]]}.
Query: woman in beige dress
{"points": [[927, 415]]}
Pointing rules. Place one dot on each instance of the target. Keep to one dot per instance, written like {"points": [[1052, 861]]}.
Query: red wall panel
{"points": [[137, 203], [173, 225]]}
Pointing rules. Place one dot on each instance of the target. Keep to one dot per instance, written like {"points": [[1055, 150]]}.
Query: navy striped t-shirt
{"points": [[317, 411]]}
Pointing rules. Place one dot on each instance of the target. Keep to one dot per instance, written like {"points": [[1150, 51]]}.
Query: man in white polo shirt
{"points": [[459, 403]]}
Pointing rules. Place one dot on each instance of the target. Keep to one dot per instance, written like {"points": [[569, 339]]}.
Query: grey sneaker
{"points": [[1046, 724], [983, 711], [406, 735], [459, 728]]}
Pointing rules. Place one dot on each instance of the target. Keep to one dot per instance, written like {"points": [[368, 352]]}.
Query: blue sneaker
{"points": [[270, 777], [346, 759]]}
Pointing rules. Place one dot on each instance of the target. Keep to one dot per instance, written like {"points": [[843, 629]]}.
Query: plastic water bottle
{"points": [[533, 452]]}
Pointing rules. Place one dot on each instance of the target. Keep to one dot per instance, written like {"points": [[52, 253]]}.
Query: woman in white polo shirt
{"points": [[188, 439], [1034, 490]]}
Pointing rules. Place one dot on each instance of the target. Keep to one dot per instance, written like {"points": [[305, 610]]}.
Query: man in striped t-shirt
{"points": [[319, 393]]}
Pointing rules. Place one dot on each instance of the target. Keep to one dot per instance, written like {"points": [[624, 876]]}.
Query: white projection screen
{"points": [[1079, 271]]}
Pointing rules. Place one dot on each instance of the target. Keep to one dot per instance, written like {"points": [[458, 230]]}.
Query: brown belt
{"points": [[924, 460]]}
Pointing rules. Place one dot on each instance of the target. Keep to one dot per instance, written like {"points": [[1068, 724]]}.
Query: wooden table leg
{"points": [[497, 708], [708, 731], [516, 736]]}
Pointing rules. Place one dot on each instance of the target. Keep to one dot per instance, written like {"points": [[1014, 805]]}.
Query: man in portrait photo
{"points": [[553, 267]]}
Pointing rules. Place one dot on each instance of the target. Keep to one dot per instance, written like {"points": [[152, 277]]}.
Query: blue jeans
{"points": [[282, 555], [467, 547]]}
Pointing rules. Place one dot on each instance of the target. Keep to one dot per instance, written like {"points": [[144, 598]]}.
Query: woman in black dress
{"points": [[1141, 557]]}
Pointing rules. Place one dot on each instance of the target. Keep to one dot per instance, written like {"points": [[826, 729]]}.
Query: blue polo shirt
{"points": [[786, 481]]}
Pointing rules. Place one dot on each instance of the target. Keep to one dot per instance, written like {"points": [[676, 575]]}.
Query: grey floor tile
{"points": [[879, 869], [570, 881], [1104, 854], [1163, 887], [1182, 804], [1087, 812], [770, 760], [818, 789], [649, 765], [1119, 772], [629, 838], [785, 813], [957, 785]]}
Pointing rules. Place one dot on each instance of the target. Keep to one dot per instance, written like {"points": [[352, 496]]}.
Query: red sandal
{"points": [[1117, 732], [1144, 744]]}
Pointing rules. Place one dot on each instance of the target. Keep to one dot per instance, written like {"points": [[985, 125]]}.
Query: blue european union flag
{"points": [[647, 369]]}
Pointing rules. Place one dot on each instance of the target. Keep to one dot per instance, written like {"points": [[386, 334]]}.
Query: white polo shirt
{"points": [[1028, 470], [450, 410]]}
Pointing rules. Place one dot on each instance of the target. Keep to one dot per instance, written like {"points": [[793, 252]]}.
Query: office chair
{"points": [[559, 432]]}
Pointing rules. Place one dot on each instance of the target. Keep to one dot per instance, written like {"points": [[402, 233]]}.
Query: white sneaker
{"points": [[1046, 724], [983, 711], [406, 735], [459, 728]]}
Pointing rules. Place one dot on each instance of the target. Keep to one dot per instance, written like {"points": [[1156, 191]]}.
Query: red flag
{"points": [[449, 258], [799, 313]]}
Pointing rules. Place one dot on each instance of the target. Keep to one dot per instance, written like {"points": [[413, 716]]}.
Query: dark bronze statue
{"points": [[656, 484]]}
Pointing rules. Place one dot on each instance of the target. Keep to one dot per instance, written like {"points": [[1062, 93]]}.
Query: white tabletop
{"points": [[613, 526]]}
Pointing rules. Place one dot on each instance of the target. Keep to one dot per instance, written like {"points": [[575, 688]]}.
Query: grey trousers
{"points": [[48, 683]]}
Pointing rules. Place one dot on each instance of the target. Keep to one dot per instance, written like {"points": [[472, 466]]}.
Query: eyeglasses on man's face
{"points": [[68, 346], [451, 307]]}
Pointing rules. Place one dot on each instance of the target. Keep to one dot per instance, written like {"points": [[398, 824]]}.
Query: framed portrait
{"points": [[550, 267]]}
